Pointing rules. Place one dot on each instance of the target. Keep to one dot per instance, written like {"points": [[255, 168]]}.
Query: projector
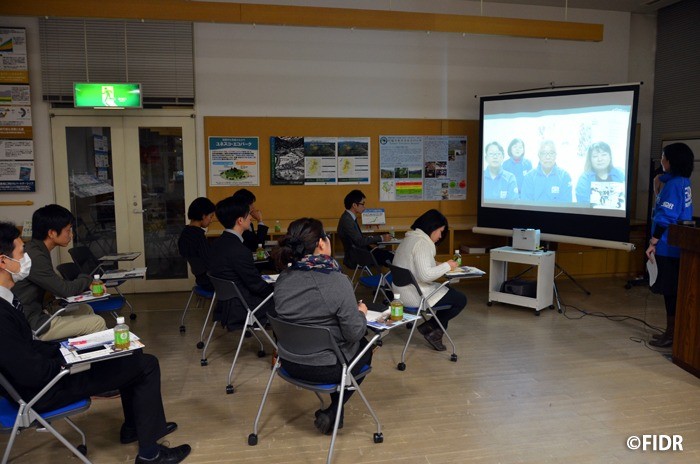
{"points": [[526, 239]]}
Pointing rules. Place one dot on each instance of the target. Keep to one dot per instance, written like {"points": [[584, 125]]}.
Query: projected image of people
{"points": [[547, 182], [516, 162], [601, 185], [498, 183]]}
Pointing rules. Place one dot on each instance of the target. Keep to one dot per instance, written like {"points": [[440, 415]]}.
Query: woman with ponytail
{"points": [[311, 290]]}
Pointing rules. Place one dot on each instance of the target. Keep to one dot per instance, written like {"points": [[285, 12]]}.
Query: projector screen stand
{"points": [[571, 278]]}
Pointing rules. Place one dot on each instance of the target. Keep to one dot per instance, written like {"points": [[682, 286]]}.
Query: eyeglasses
{"points": [[325, 236], [548, 154], [361, 203]]}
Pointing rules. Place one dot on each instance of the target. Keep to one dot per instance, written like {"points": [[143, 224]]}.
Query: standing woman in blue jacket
{"points": [[674, 203]]}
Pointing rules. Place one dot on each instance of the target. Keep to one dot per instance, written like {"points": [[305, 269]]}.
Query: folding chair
{"points": [[371, 274], [111, 305], [17, 415], [227, 290], [402, 278], [304, 340], [89, 264], [201, 295]]}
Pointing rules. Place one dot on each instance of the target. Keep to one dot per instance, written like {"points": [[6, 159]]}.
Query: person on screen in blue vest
{"points": [[598, 168], [548, 182], [498, 183], [516, 162]]}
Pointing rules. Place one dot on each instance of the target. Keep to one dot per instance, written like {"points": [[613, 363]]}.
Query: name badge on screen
{"points": [[555, 189], [504, 194]]}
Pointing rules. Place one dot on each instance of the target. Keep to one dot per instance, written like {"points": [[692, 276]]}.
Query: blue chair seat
{"points": [[373, 280], [8, 411], [203, 292], [113, 303], [320, 387]]}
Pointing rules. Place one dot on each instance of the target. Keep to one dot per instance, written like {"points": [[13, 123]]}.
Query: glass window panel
{"points": [[163, 196]]}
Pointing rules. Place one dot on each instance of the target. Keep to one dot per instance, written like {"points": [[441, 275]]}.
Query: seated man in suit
{"points": [[30, 364], [251, 237], [193, 244], [351, 235], [231, 260], [52, 226]]}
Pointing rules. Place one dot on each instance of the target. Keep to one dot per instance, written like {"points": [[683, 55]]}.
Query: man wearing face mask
{"points": [[30, 364], [52, 226]]}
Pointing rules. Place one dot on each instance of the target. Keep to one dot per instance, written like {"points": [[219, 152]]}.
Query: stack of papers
{"points": [[85, 298], [381, 321], [104, 337], [270, 278], [465, 271], [95, 346], [130, 256], [136, 273]]}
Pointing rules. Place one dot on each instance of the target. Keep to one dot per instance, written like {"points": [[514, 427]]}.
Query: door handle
{"points": [[139, 211]]}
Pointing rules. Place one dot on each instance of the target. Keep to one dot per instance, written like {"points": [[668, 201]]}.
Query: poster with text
{"points": [[320, 167], [17, 166], [13, 56], [15, 122], [15, 95], [234, 161], [353, 160], [413, 168], [287, 160], [17, 176], [319, 160]]}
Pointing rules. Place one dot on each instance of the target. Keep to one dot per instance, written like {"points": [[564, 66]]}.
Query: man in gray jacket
{"points": [[52, 226]]}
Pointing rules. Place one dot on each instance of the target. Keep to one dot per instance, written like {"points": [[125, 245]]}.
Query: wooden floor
{"points": [[551, 389]]}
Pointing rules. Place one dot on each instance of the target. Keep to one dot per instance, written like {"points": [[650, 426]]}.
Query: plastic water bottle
{"points": [[396, 308], [260, 253], [278, 227], [392, 232], [97, 287], [121, 335], [457, 258]]}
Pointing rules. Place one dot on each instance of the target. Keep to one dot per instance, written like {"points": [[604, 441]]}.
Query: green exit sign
{"points": [[106, 95]]}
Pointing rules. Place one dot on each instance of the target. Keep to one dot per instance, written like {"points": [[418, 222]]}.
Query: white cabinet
{"points": [[544, 260]]}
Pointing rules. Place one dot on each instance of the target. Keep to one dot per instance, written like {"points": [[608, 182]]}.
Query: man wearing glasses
{"points": [[548, 182], [351, 235]]}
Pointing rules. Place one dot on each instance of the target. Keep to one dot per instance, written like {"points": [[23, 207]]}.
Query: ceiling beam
{"points": [[304, 16]]}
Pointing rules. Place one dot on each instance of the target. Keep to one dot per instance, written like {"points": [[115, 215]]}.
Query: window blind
{"points": [[157, 54]]}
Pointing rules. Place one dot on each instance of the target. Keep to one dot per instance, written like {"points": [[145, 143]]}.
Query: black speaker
{"points": [[520, 287]]}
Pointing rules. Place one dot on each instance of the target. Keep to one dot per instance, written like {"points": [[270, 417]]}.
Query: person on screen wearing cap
{"points": [[547, 183]]}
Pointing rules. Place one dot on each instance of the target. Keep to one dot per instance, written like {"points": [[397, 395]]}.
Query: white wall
{"points": [[321, 72]]}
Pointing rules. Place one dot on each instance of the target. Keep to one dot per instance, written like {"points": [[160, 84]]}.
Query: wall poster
{"points": [[17, 166], [13, 56], [415, 168], [234, 161], [319, 160]]}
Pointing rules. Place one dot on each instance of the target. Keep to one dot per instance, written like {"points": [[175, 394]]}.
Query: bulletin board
{"points": [[289, 202]]}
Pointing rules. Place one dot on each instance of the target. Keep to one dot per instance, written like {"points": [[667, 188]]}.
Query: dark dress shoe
{"points": [[167, 455], [128, 434], [664, 341], [435, 340], [324, 421], [425, 328]]}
